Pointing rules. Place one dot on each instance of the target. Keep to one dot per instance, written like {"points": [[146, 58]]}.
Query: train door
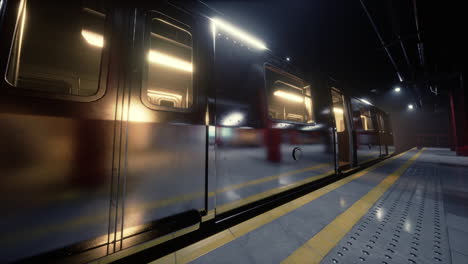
{"points": [[365, 134], [166, 131], [57, 125], [389, 134], [343, 135], [383, 138]]}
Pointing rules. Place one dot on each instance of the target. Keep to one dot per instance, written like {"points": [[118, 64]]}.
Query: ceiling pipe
{"points": [[400, 77], [418, 33]]}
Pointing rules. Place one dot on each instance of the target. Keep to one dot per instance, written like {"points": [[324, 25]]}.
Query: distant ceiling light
{"points": [[218, 23], [169, 61], [92, 38], [410, 107], [365, 101], [373, 90], [397, 89], [289, 96], [288, 59]]}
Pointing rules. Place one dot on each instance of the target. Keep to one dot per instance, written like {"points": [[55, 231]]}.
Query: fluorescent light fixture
{"points": [[337, 110], [169, 61], [410, 107], [365, 101], [289, 96], [222, 25], [233, 119], [400, 77], [176, 96], [397, 89], [92, 38]]}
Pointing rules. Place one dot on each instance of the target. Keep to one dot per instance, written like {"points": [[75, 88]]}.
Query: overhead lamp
{"points": [[238, 33], [410, 106], [289, 96], [92, 38], [169, 61], [397, 89]]}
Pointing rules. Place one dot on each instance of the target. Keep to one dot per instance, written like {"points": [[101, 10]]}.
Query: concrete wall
{"points": [[409, 124]]}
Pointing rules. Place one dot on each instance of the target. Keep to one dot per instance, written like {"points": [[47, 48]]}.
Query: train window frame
{"points": [[267, 89], [151, 15], [371, 116], [11, 22]]}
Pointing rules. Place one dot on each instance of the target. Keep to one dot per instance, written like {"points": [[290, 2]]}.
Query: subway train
{"points": [[125, 126]]}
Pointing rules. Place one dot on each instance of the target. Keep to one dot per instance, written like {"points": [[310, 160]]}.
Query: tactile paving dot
{"points": [[406, 225]]}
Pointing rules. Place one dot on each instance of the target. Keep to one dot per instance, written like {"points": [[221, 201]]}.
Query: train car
{"points": [[363, 132], [120, 126]]}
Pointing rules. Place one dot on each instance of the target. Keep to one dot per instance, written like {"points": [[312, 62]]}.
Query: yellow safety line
{"points": [[211, 243], [314, 250]]}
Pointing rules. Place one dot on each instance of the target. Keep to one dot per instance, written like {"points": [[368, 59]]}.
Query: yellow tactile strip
{"points": [[205, 246], [314, 250]]}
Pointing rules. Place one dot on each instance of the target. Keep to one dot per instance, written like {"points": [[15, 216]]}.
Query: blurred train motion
{"points": [[119, 126]]}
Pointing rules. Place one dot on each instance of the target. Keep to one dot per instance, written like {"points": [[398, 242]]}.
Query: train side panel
{"points": [[57, 127], [257, 155]]}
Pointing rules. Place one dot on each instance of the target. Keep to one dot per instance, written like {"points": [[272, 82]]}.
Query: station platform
{"points": [[410, 208]]}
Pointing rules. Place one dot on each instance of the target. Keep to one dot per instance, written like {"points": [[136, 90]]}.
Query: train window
{"points": [[168, 80], [366, 119], [57, 47], [289, 98]]}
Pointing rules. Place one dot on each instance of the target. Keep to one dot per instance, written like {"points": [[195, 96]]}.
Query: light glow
{"points": [[176, 96], [169, 61], [289, 96], [92, 38], [410, 107], [397, 89], [282, 125], [365, 101], [233, 119], [218, 23], [380, 214], [337, 110], [160, 95]]}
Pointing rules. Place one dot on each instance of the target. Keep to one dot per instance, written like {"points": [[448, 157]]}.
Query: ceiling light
{"points": [[169, 61], [289, 96], [222, 25]]}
